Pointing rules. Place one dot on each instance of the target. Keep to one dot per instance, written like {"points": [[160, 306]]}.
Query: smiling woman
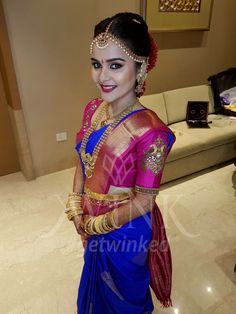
{"points": [[122, 147]]}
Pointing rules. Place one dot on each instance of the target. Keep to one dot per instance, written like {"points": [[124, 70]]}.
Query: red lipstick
{"points": [[107, 88]]}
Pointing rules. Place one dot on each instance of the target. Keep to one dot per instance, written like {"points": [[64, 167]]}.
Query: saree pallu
{"points": [[119, 266]]}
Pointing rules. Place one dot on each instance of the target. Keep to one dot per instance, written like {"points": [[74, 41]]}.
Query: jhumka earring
{"points": [[141, 77]]}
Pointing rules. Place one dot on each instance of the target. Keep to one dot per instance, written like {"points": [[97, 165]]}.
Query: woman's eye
{"points": [[115, 66], [96, 65]]}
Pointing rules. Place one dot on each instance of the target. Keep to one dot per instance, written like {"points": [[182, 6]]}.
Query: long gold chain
{"points": [[88, 159]]}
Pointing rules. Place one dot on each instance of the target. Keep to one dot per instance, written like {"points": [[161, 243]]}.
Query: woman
{"points": [[122, 148]]}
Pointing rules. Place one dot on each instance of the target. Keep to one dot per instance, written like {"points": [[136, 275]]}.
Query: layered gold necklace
{"points": [[105, 122], [88, 159]]}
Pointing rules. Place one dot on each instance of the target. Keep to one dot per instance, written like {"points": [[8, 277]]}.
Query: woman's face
{"points": [[114, 73]]}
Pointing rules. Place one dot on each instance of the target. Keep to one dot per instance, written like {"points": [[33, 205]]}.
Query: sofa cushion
{"points": [[196, 162], [213, 136], [156, 103], [184, 145], [176, 101]]}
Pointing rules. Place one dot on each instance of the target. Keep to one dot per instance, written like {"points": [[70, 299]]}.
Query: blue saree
{"points": [[115, 277]]}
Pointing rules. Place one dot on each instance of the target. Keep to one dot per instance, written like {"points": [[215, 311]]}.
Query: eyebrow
{"points": [[109, 60]]}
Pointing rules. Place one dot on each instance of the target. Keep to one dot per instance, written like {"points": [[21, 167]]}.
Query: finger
{"points": [[85, 237], [82, 232]]}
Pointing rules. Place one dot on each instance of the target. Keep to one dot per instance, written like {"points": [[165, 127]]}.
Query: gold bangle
{"points": [[75, 210], [93, 227], [87, 226], [74, 197], [103, 230], [79, 208], [68, 209], [74, 200], [106, 224], [112, 221], [98, 224], [71, 203], [75, 194], [72, 214], [101, 226], [72, 211], [74, 205]]}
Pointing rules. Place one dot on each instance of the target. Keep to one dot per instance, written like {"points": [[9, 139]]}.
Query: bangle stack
{"points": [[101, 224], [73, 205]]}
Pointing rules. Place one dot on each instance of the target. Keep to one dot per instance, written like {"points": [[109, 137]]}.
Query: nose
{"points": [[103, 75]]}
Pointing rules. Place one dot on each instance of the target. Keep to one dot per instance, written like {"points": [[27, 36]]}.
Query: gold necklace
{"points": [[105, 122], [88, 159]]}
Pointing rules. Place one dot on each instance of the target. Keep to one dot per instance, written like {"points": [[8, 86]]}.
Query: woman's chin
{"points": [[107, 97]]}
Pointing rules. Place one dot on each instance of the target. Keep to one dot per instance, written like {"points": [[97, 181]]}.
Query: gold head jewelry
{"points": [[102, 41]]}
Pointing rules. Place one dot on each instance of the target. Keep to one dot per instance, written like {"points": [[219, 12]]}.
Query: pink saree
{"points": [[133, 155]]}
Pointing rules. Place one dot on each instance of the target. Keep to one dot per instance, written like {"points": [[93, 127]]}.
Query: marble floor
{"points": [[41, 255]]}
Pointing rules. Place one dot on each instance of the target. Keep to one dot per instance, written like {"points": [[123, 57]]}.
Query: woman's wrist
{"points": [[74, 205], [101, 224], [76, 217]]}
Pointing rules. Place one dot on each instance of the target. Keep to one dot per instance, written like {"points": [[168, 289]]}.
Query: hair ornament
{"points": [[103, 38], [136, 21], [102, 41], [147, 63]]}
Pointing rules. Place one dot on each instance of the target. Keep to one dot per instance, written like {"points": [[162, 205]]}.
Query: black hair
{"points": [[131, 29]]}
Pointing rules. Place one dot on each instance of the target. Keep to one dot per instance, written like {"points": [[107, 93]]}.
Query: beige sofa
{"points": [[198, 148]]}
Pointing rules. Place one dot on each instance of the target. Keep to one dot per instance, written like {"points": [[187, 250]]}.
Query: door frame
{"points": [[14, 102]]}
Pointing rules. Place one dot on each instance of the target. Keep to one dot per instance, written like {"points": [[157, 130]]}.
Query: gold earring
{"points": [[141, 77]]}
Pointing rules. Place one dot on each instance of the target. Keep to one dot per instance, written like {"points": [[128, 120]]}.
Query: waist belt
{"points": [[108, 197]]}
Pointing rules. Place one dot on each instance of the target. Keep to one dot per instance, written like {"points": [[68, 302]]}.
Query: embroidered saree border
{"points": [[143, 190]]}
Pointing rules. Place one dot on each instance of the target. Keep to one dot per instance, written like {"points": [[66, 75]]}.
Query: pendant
{"points": [[103, 123], [88, 173], [89, 162]]}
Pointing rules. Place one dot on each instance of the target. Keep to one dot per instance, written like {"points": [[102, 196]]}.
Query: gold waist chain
{"points": [[108, 197]]}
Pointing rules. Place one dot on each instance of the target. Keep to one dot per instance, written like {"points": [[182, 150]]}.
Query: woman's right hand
{"points": [[78, 222]]}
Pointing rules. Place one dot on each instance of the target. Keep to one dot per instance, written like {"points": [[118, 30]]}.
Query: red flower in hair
{"points": [[153, 54], [151, 62]]}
